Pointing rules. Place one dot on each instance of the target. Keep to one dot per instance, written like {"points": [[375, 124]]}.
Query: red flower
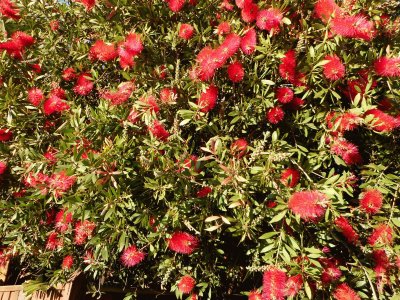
{"points": [[190, 163], [325, 9], [290, 177], [254, 295], [382, 122], [347, 230], [331, 271], [344, 292], [54, 25], [309, 205], [287, 68], [89, 4], [347, 151], [249, 12], [342, 121], [83, 231], [68, 74], [3, 167], [236, 71], [284, 94], [269, 19], [63, 219], [168, 96], [36, 68], [175, 5], [208, 99], [249, 42], [67, 263], [223, 28], [228, 47], [293, 285], [334, 69], [239, 148], [5, 135], [388, 67], [382, 234], [132, 256], [225, 4], [102, 51], [35, 96], [356, 26], [84, 84], [50, 155], [186, 284], [275, 115], [208, 62], [150, 103], [53, 242], [295, 104], [186, 31], [16, 46], [7, 9], [157, 129], [371, 201], [274, 283], [54, 104], [182, 242], [121, 95], [242, 3], [203, 192], [133, 116], [60, 182], [129, 49]]}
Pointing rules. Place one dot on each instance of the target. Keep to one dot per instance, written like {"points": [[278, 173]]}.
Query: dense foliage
{"points": [[205, 147]]}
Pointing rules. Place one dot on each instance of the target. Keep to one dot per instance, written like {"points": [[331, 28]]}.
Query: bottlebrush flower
{"points": [[293, 285], [330, 272], [89, 4], [228, 47], [387, 67], [287, 67], [129, 49], [68, 74], [83, 231], [235, 71], [133, 116], [269, 19], [84, 84], [54, 25], [60, 182], [186, 284], [203, 192], [274, 283], [295, 104], [59, 92], [284, 94], [223, 28], [371, 201], [382, 234], [334, 69], [347, 151], [175, 5], [8, 10], [54, 104], [190, 163], [249, 41], [63, 219], [50, 155], [309, 205], [168, 96], [67, 263], [342, 122], [382, 122], [121, 95], [102, 51], [356, 26], [36, 68], [242, 3], [3, 167], [35, 96], [275, 115], [17, 45], [381, 260], [54, 242], [208, 99], [225, 4], [131, 256], [239, 148], [208, 62], [325, 9], [347, 230], [182, 242], [150, 103], [344, 292], [186, 31], [157, 129], [249, 12], [290, 177], [254, 295]]}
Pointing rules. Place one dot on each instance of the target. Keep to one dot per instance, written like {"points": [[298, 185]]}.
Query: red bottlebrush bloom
{"points": [[275, 115], [89, 4], [54, 25], [129, 49], [347, 151], [158, 130], [3, 167], [382, 122], [249, 12], [223, 28], [36, 68], [60, 182], [35, 96], [203, 192], [254, 295], [150, 103], [208, 99], [274, 283], [387, 67], [242, 3], [371, 201], [186, 31], [228, 47], [309, 205], [295, 104], [344, 292], [239, 148], [54, 242], [84, 84], [325, 9], [54, 104], [67, 263], [293, 285], [342, 122], [83, 231], [168, 96], [36, 180], [23, 39], [269, 19], [69, 74], [208, 63], [249, 42], [225, 4], [356, 26], [121, 95], [102, 51], [132, 256], [63, 219], [182, 242], [287, 68], [59, 92], [381, 259], [133, 116], [190, 163], [284, 94], [186, 284], [290, 177], [50, 155], [8, 10], [331, 272], [88, 257], [175, 5], [347, 230], [382, 234], [16, 46], [334, 69], [236, 71]]}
